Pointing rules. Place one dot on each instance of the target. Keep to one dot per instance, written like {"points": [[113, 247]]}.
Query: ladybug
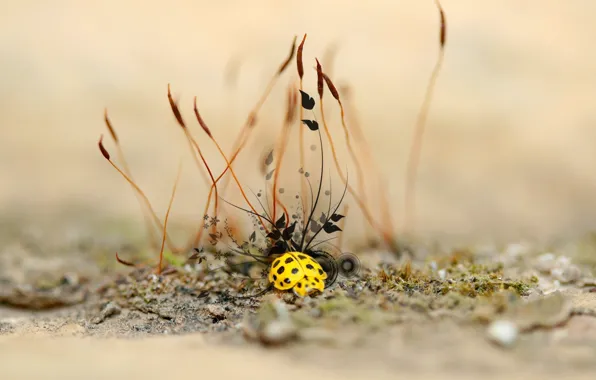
{"points": [[299, 272]]}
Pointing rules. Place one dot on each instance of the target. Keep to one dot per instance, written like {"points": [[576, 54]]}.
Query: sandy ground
{"points": [[508, 150]]}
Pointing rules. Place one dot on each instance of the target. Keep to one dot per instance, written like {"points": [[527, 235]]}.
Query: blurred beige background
{"points": [[509, 148]]}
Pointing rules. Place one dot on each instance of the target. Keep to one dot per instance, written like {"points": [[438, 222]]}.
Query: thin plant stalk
{"points": [[165, 223], [251, 121], [147, 217], [289, 119], [136, 187], [416, 147], [387, 235]]}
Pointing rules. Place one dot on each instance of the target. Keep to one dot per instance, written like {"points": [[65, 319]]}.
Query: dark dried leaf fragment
{"points": [[311, 124], [337, 217], [288, 232], [274, 235], [330, 228], [307, 101], [281, 222]]}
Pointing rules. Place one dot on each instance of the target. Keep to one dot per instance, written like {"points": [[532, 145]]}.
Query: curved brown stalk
{"points": [[125, 168], [303, 183], [206, 129], [365, 147], [290, 116], [387, 235], [359, 171], [195, 150], [140, 192], [416, 147], [242, 138], [165, 223], [180, 120], [342, 226]]}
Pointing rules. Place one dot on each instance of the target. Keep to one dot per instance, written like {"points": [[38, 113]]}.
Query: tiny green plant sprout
{"points": [[293, 246]]}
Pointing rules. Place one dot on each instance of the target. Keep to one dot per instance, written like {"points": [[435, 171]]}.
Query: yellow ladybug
{"points": [[299, 272]]}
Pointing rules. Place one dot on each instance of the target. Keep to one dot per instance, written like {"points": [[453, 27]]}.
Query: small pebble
{"points": [[216, 311], [503, 332], [316, 312], [567, 274], [442, 274], [434, 266], [516, 250], [109, 310], [546, 262], [278, 332]]}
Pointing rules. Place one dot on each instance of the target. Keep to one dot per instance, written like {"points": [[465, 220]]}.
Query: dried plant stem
{"points": [[147, 214], [360, 172], [250, 122], [198, 236], [197, 151], [136, 188], [365, 147], [228, 166], [194, 148], [387, 236], [342, 226], [180, 120], [303, 182], [416, 147], [165, 223], [213, 187], [281, 149], [252, 117], [357, 130]]}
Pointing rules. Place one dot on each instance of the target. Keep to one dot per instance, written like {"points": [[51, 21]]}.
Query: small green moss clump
{"points": [[461, 276]]}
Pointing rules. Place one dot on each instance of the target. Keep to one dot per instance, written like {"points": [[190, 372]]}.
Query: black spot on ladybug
{"points": [[289, 260], [295, 271], [302, 257], [316, 279], [281, 283], [276, 263], [320, 271], [274, 277], [281, 269], [287, 280], [299, 285], [309, 266]]}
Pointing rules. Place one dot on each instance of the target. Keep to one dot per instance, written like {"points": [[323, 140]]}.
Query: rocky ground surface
{"points": [[518, 309]]}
